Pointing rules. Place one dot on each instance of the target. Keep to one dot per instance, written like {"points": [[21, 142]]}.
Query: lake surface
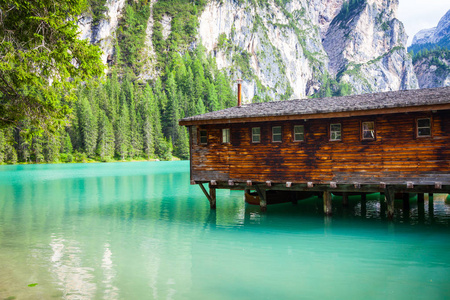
{"points": [[140, 231]]}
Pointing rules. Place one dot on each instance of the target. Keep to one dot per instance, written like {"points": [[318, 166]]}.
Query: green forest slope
{"points": [[122, 118]]}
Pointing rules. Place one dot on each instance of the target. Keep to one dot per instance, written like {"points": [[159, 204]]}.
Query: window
{"points": [[423, 127], [276, 134], [256, 135], [299, 133], [226, 135], [203, 137], [335, 132], [368, 130]]}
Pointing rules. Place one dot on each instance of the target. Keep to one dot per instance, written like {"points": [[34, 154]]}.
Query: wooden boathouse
{"points": [[390, 142]]}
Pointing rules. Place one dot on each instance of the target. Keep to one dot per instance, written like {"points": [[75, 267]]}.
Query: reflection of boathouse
{"points": [[392, 142]]}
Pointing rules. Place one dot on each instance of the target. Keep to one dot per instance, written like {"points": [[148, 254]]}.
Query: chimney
{"points": [[239, 81]]}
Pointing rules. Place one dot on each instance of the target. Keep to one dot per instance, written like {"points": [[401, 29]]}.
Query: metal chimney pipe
{"points": [[239, 81]]}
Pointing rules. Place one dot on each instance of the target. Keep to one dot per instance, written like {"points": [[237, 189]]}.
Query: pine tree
{"points": [[51, 149], [105, 144], [67, 144], [87, 125], [122, 132], [181, 146], [212, 98], [38, 148], [148, 112]]}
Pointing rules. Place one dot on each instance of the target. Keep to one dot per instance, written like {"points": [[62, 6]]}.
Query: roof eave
{"points": [[327, 115]]}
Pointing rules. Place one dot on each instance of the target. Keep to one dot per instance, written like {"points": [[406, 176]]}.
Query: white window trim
{"points": [[340, 132], [256, 134], [374, 131], [280, 134], [417, 128], [200, 137], [226, 135], [303, 134]]}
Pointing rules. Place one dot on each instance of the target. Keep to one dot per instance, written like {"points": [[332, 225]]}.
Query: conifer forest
{"points": [[120, 117]]}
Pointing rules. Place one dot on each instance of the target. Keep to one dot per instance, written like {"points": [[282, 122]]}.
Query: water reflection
{"points": [[141, 231]]}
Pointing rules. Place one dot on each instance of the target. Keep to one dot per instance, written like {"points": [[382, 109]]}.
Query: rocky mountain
{"points": [[431, 55], [283, 48], [439, 35], [433, 68]]}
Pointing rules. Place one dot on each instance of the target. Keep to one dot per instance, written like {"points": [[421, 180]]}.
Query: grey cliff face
{"points": [[431, 75], [366, 48], [284, 52]]}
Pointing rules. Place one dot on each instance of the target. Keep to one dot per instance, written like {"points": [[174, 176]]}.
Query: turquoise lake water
{"points": [[140, 231]]}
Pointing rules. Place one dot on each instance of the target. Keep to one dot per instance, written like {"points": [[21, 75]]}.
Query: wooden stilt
{"points": [[420, 198], [262, 198], [211, 195], [406, 201], [345, 199], [421, 208], [327, 209], [363, 197], [212, 192], [390, 196], [294, 198], [363, 205], [430, 205]]}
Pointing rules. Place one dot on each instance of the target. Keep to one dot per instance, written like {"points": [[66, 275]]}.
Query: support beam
{"points": [[211, 195], [430, 205], [406, 201], [363, 205], [262, 198], [327, 209], [345, 199], [212, 192], [420, 198], [390, 196], [420, 208]]}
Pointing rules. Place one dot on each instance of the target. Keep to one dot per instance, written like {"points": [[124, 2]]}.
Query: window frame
{"points": [[280, 134], [226, 132], [374, 131], [303, 133], [200, 136], [331, 132], [254, 134], [430, 127]]}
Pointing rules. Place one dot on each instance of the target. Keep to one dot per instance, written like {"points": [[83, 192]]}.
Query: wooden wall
{"points": [[396, 152]]}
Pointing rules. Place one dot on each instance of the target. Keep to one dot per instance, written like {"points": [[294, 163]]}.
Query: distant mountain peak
{"points": [[434, 35]]}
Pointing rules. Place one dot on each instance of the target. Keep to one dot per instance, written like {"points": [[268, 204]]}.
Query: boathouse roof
{"points": [[315, 108]]}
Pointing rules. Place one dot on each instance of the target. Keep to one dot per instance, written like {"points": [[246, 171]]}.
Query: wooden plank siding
{"points": [[396, 152]]}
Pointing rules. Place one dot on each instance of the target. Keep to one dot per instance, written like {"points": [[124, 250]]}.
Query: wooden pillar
{"points": [[294, 198], [212, 193], [345, 199], [420, 198], [363, 205], [262, 198], [382, 205], [420, 208], [327, 203], [390, 196], [406, 201], [430, 205]]}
